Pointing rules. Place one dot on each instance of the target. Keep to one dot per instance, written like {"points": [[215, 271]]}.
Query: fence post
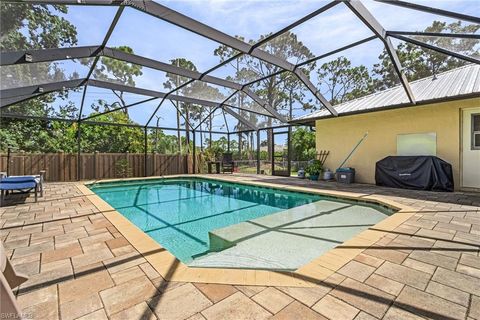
{"points": [[61, 166], [127, 165], [9, 154], [228, 142], [95, 165], [154, 162], [23, 163]]}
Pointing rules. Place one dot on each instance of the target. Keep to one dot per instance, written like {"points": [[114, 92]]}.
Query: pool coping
{"points": [[316, 271]]}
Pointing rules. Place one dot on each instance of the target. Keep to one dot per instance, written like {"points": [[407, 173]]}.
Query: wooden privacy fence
{"points": [[93, 166]]}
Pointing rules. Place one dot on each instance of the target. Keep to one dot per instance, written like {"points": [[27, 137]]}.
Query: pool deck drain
{"points": [[318, 269]]}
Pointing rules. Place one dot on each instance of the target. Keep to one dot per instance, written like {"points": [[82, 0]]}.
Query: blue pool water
{"points": [[179, 213]]}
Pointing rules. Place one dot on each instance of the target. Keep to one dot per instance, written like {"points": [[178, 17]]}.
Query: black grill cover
{"points": [[414, 172]]}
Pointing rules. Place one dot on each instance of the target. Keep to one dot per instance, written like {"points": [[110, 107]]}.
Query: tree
{"points": [[343, 81], [174, 81], [419, 62], [32, 26], [280, 91], [118, 71], [196, 89], [106, 138], [303, 144], [162, 143], [27, 26]]}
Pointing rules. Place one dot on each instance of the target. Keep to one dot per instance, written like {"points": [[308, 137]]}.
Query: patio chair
{"points": [[22, 184], [39, 179], [227, 162]]}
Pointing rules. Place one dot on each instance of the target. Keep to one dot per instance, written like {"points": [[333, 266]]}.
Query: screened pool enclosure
{"points": [[144, 58]]}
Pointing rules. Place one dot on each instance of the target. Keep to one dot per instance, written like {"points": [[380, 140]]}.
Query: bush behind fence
{"points": [[65, 166]]}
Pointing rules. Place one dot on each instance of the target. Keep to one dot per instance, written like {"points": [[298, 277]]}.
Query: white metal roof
{"points": [[457, 82]]}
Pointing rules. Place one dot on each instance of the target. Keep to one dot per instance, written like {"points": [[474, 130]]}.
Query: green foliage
{"points": [[192, 113], [314, 168], [303, 144], [419, 62], [283, 92], [161, 143], [121, 71], [343, 81], [217, 148], [122, 169], [37, 26], [104, 138], [118, 71], [32, 26]]}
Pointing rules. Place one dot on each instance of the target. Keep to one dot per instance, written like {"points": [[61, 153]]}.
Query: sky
{"points": [[153, 38]]}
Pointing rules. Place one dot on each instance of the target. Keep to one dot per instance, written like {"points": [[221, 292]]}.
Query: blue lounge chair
{"points": [[19, 183]]}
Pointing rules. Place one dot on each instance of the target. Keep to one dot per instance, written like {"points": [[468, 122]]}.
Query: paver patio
{"points": [[81, 267]]}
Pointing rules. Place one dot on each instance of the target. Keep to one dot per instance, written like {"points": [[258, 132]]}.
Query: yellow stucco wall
{"points": [[340, 135]]}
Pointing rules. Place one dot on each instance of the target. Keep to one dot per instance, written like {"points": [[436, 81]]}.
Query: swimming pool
{"points": [[276, 229], [179, 213]]}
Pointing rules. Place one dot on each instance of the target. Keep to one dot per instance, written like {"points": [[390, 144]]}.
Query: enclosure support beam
{"points": [[81, 104], [327, 54], [215, 109], [194, 153], [118, 109], [258, 151], [46, 55], [435, 34], [296, 23], [437, 49], [228, 142], [264, 105], [372, 23], [240, 146], [289, 151], [145, 152], [240, 118], [303, 78], [40, 89], [14, 100], [79, 150], [192, 25], [117, 16], [184, 118], [114, 124], [272, 147], [440, 12]]}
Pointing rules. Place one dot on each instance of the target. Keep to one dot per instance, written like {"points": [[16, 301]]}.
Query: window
{"points": [[476, 131], [417, 144]]}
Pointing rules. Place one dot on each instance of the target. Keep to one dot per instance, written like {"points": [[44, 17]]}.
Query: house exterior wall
{"points": [[340, 135]]}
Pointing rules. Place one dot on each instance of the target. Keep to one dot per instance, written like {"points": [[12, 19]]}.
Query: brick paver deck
{"points": [[81, 267]]}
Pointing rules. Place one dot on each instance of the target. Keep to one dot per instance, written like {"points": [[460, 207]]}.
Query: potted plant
{"points": [[314, 169]]}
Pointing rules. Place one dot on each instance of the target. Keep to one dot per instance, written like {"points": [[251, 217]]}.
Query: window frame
{"points": [[473, 133]]}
